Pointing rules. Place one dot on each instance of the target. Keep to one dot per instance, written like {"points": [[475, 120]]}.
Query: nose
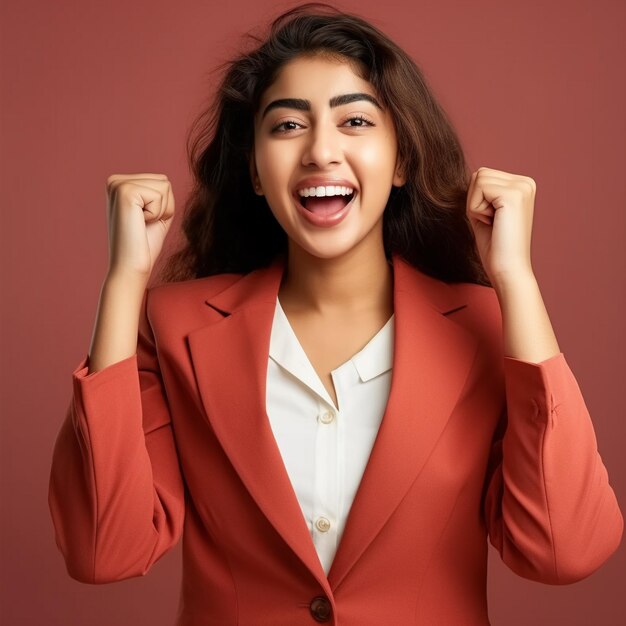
{"points": [[323, 145]]}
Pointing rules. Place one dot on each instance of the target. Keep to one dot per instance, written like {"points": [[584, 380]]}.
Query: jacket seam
{"points": [[97, 513], [230, 571], [545, 491], [418, 595]]}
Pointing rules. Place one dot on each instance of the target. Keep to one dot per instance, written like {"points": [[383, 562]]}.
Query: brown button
{"points": [[320, 609]]}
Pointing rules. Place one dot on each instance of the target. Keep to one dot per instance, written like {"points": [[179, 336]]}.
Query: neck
{"points": [[356, 282]]}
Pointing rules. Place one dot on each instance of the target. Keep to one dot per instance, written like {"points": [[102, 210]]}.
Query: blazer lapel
{"points": [[230, 358], [431, 362], [432, 359]]}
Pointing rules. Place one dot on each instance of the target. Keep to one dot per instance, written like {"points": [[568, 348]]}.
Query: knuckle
{"points": [[123, 188], [529, 182]]}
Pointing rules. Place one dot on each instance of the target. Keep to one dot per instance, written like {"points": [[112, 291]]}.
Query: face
{"points": [[321, 143]]}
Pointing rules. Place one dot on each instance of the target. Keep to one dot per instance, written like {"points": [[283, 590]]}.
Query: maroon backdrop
{"points": [[90, 89]]}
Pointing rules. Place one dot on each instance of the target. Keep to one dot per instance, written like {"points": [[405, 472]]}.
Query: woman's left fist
{"points": [[500, 211]]}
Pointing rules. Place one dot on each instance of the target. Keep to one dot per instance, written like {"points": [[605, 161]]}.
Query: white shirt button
{"points": [[322, 524], [327, 417]]}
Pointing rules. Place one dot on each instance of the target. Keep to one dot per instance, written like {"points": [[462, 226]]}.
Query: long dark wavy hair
{"points": [[228, 228]]}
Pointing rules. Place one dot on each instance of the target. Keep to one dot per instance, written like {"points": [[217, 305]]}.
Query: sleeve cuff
{"points": [[80, 373], [538, 388]]}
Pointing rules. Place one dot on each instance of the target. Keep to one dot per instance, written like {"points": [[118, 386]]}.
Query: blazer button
{"points": [[320, 609]]}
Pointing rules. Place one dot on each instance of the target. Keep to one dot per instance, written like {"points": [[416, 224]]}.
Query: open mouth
{"points": [[325, 204]]}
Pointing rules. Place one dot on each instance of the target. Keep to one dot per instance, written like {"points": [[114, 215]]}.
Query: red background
{"points": [[93, 88]]}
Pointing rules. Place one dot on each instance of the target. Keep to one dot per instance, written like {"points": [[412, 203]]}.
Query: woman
{"points": [[349, 380]]}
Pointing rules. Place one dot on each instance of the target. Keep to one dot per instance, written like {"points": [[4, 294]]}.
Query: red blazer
{"points": [[175, 440]]}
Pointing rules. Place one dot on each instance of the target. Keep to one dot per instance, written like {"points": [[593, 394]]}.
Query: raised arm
{"points": [[549, 507], [116, 493]]}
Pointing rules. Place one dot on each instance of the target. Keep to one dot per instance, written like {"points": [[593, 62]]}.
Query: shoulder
{"points": [[471, 306], [466, 303], [480, 314], [480, 298], [193, 288], [183, 303]]}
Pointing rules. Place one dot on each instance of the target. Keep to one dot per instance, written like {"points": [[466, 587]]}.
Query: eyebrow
{"points": [[305, 105]]}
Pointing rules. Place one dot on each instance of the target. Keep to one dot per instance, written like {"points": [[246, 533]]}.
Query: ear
{"points": [[254, 177], [399, 177]]}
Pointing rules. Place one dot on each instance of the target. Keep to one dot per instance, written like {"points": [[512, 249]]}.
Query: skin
{"points": [[338, 288], [500, 208], [140, 210]]}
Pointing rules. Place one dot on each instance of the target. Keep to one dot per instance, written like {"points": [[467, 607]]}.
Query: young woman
{"points": [[348, 382]]}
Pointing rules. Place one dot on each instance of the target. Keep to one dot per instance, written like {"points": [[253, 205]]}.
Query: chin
{"points": [[327, 247], [333, 243]]}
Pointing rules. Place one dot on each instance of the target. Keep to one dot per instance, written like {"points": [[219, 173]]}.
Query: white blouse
{"points": [[324, 447]]}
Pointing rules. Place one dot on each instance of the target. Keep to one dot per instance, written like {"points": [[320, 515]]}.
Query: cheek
{"points": [[377, 156], [272, 160]]}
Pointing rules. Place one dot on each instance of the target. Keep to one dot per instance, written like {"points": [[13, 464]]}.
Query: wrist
{"points": [[511, 279], [127, 280]]}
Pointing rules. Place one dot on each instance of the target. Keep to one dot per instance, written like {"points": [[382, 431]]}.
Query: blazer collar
{"points": [[261, 287], [431, 362]]}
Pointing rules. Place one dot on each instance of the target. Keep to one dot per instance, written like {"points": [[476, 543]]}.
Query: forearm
{"points": [[527, 332], [116, 494], [553, 514], [115, 491], [114, 336]]}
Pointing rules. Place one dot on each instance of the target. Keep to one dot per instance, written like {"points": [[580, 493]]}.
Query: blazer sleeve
{"points": [[549, 508], [116, 493]]}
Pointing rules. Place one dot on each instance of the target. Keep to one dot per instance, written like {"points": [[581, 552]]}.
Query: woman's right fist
{"points": [[140, 208]]}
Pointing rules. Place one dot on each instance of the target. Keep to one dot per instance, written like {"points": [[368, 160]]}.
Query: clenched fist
{"points": [[140, 208]]}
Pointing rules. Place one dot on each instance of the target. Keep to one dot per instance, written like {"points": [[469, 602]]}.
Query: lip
{"points": [[324, 221]]}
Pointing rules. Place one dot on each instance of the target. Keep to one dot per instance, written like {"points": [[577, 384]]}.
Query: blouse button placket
{"points": [[326, 481]]}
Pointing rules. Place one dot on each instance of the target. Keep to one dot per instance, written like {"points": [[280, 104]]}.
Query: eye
{"points": [[362, 119], [278, 126], [363, 122]]}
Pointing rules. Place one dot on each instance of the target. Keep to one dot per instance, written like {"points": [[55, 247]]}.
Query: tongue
{"points": [[326, 205]]}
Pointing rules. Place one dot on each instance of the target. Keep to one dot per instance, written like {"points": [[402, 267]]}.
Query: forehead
{"points": [[315, 78]]}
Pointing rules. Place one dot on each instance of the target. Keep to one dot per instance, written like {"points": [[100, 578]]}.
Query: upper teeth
{"points": [[325, 191]]}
